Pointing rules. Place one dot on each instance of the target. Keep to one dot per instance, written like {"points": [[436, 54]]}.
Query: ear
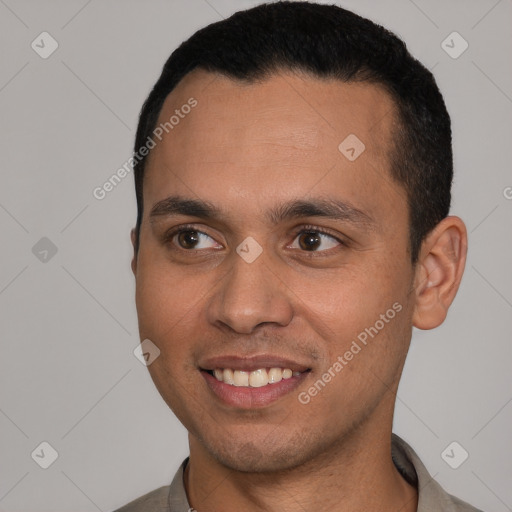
{"points": [[133, 236], [439, 271]]}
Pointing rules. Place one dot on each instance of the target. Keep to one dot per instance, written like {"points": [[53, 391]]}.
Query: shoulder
{"points": [[461, 506], [161, 499], [431, 496], [156, 500]]}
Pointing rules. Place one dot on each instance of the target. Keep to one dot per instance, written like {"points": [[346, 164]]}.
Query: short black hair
{"points": [[326, 41]]}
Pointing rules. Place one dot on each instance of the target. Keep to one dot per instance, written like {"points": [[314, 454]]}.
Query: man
{"points": [[293, 168]]}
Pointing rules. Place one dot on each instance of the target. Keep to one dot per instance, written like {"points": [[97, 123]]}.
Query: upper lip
{"points": [[251, 363]]}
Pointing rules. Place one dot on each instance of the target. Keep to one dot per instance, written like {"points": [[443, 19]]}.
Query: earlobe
{"points": [[133, 236], [439, 272]]}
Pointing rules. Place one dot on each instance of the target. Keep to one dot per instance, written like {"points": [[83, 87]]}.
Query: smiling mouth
{"points": [[254, 378]]}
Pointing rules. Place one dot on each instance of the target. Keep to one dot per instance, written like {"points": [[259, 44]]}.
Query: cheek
{"points": [[166, 303], [166, 299], [365, 305], [364, 328], [349, 296]]}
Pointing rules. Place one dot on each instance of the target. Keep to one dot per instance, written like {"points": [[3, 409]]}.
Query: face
{"points": [[264, 245]]}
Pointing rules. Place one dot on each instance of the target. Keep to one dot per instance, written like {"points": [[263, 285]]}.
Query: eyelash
{"points": [[168, 237]]}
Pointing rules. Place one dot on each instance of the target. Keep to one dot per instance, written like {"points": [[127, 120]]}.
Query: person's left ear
{"points": [[439, 271]]}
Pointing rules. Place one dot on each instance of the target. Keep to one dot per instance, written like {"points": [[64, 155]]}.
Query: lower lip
{"points": [[251, 398]]}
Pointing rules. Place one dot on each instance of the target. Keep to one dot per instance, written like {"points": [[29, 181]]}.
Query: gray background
{"points": [[68, 375]]}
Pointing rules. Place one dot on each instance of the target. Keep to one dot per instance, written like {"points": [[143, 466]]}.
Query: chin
{"points": [[249, 458], [259, 456]]}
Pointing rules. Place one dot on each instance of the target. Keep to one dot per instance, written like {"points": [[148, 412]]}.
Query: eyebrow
{"points": [[296, 208]]}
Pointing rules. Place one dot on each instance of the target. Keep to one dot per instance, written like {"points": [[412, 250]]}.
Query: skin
{"points": [[247, 149]]}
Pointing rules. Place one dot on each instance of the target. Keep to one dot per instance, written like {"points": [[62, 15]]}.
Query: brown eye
{"points": [[309, 241], [191, 239], [312, 240], [188, 239]]}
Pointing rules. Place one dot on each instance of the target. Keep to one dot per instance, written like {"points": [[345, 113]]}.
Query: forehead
{"points": [[315, 112], [289, 134]]}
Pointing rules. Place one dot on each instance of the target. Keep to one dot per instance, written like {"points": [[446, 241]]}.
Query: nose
{"points": [[250, 295]]}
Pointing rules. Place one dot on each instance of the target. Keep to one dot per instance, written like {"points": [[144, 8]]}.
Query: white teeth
{"points": [[258, 378], [228, 376], [241, 378], [253, 379], [275, 375]]}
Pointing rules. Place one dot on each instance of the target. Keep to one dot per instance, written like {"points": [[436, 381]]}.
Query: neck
{"points": [[357, 474]]}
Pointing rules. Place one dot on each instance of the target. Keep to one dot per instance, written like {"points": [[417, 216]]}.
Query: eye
{"points": [[311, 239], [191, 239]]}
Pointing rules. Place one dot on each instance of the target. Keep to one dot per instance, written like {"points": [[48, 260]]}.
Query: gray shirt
{"points": [[431, 496]]}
